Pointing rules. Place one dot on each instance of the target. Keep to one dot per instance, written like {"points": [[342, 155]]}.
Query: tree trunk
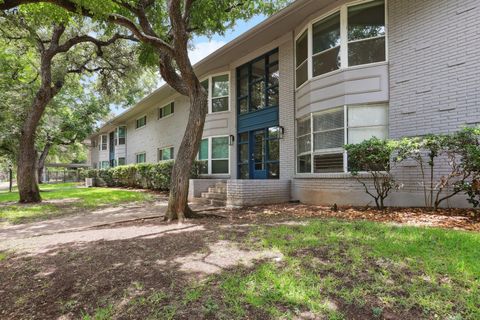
{"points": [[178, 201], [41, 161], [27, 160], [26, 174]]}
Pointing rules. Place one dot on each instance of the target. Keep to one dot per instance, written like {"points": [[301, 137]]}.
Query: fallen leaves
{"points": [[461, 219]]}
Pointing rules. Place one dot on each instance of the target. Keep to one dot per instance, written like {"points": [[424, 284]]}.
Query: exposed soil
{"points": [[65, 279]]}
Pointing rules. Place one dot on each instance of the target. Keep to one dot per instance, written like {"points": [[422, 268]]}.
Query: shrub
{"points": [[424, 151], [148, 176], [461, 151], [373, 156]]}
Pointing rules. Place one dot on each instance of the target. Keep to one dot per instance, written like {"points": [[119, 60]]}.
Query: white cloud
{"points": [[203, 49]]}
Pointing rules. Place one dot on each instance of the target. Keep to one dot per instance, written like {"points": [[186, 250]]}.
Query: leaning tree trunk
{"points": [[41, 161], [27, 159], [26, 173], [178, 201]]}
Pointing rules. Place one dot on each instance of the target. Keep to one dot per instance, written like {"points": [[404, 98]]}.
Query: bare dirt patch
{"points": [[146, 268]]}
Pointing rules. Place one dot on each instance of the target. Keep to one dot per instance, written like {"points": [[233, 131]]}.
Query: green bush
{"points": [[461, 153], [154, 176], [373, 157]]}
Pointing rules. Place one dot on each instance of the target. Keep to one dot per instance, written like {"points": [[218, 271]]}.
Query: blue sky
{"points": [[204, 46], [240, 28]]}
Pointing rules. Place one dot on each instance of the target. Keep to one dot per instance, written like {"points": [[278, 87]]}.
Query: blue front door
{"points": [[258, 155]]}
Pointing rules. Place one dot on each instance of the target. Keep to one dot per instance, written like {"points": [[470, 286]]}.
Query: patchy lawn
{"points": [[363, 270], [263, 266], [64, 198]]}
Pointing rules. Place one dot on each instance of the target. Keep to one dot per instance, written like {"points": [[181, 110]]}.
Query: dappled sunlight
{"points": [[45, 243], [222, 255]]}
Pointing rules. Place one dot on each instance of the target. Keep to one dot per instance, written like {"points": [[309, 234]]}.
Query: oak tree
{"points": [[63, 47], [165, 28]]}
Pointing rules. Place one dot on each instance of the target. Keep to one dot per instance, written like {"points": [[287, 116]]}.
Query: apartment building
{"points": [[287, 95]]}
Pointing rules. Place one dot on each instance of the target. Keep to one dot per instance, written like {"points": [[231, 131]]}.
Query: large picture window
{"points": [[326, 45], [353, 35], [214, 155], [330, 130], [366, 33], [257, 84], [218, 88]]}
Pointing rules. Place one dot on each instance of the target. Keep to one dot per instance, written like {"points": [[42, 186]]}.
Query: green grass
{"points": [[426, 273], [81, 198]]}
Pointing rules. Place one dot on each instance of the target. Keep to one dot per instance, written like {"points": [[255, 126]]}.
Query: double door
{"points": [[258, 153]]}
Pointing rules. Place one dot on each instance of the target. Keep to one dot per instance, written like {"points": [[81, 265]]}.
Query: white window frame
{"points": [[343, 9], [101, 142], [101, 164], [210, 91], [210, 152], [346, 126], [164, 106], [118, 162], [138, 128], [117, 134], [140, 153], [164, 148]]}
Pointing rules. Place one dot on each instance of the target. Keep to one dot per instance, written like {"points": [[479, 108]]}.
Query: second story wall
{"points": [[157, 133], [434, 66]]}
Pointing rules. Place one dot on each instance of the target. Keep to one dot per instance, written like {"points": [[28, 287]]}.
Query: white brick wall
{"points": [[433, 87], [250, 192], [287, 108]]}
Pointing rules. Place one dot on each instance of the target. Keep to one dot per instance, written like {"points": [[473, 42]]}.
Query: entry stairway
{"points": [[216, 196]]}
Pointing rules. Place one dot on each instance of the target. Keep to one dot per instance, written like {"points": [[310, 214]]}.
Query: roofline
{"points": [[262, 26]]}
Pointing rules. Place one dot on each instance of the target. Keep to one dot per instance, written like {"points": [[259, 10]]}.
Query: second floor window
{"points": [[166, 110], [103, 145], [141, 122], [218, 88], [257, 83], [354, 35], [121, 133]]}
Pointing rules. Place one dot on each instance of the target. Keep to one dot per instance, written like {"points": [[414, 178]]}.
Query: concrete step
{"points": [[210, 202], [217, 190], [213, 195], [221, 185]]}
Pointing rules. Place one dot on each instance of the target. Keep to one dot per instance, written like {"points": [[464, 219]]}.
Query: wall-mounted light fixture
{"points": [[231, 140]]}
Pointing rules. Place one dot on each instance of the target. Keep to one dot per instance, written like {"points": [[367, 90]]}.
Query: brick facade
{"points": [[430, 82]]}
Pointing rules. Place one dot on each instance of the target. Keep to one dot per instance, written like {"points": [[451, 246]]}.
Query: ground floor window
{"points": [[121, 161], [103, 164], [214, 155], [165, 154], [322, 135], [258, 154], [141, 157]]}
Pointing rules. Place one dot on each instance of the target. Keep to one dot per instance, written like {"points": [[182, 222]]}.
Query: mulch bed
{"points": [[458, 219]]}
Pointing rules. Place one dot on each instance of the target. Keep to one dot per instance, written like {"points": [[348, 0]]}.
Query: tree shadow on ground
{"points": [[69, 279]]}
